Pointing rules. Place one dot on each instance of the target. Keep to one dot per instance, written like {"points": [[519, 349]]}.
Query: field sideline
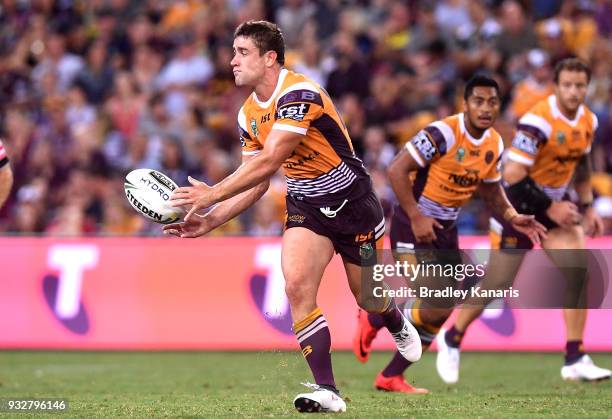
{"points": [[263, 384]]}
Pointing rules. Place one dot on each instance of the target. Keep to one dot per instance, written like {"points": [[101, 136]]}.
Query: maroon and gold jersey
{"points": [[323, 168], [3, 157], [452, 165], [551, 145]]}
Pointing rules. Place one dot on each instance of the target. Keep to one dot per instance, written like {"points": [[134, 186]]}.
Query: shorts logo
{"points": [[561, 137], [254, 127], [366, 251], [489, 156], [296, 218], [460, 154], [424, 144]]}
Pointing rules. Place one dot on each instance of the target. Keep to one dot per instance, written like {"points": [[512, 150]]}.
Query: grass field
{"points": [[263, 384]]}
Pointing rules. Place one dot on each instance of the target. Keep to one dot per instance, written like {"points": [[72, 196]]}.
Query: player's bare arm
{"points": [[278, 147], [199, 225], [398, 172], [516, 174], [592, 223], [496, 200], [6, 183]]}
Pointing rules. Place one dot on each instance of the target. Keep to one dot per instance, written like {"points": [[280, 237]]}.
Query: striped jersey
{"points": [[323, 168], [452, 165], [551, 145], [3, 156]]}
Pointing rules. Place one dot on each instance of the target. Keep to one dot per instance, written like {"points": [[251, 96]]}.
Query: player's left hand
{"points": [[528, 225], [199, 196], [592, 223]]}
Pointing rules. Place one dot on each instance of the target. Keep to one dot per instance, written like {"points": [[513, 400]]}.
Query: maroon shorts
{"points": [[403, 237], [356, 228], [504, 236]]}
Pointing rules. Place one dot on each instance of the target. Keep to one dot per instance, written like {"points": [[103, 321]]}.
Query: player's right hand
{"points": [[564, 213], [423, 228], [196, 226]]}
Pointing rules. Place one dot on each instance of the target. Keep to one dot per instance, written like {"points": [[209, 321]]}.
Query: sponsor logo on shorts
{"points": [[366, 251], [296, 218], [364, 237]]}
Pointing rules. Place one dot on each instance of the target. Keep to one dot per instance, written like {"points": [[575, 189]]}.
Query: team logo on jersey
{"points": [[460, 154], [254, 127], [575, 135], [366, 251], [561, 137], [489, 155]]}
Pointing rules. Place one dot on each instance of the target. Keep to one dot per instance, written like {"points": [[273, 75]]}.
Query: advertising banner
{"points": [[209, 294]]}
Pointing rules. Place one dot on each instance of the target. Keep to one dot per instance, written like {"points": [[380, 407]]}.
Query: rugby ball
{"points": [[148, 191]]}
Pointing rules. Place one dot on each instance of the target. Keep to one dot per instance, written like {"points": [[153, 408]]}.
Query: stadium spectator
{"points": [[152, 49], [535, 87], [6, 176]]}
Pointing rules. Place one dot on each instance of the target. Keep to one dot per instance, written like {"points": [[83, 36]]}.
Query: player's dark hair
{"points": [[572, 64], [266, 36], [479, 81]]}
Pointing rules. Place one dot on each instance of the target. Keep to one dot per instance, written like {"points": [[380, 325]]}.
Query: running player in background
{"points": [[6, 176], [290, 121], [452, 158], [550, 148]]}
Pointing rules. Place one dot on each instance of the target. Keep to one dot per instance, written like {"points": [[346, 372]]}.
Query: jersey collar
{"points": [[279, 83], [464, 131], [556, 112]]}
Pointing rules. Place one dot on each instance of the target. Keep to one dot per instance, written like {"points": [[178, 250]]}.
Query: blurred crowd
{"points": [[90, 90]]}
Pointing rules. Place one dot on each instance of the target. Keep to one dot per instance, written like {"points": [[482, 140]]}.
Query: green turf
{"points": [[263, 384]]}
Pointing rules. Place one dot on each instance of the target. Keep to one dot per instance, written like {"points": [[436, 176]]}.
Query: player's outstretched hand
{"points": [[196, 226], [564, 213], [528, 225], [197, 197], [423, 228], [592, 223]]}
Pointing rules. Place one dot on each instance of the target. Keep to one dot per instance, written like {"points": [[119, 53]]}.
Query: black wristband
{"points": [[527, 197]]}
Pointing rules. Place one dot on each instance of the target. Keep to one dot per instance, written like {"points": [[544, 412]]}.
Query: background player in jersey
{"points": [[551, 146], [290, 121], [452, 158], [6, 175]]}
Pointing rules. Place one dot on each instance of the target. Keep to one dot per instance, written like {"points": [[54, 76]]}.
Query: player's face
{"points": [[482, 107], [571, 89], [247, 64]]}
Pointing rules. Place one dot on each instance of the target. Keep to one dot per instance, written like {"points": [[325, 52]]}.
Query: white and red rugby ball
{"points": [[148, 191]]}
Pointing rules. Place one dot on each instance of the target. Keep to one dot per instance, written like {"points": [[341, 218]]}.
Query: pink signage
{"points": [[213, 293]]}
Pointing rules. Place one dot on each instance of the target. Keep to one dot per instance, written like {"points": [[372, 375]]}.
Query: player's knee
{"points": [[298, 291]]}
